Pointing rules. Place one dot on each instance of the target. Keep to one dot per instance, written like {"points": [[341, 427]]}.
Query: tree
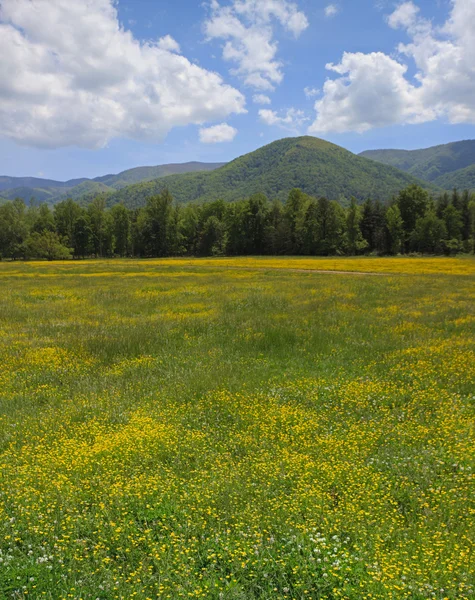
{"points": [[373, 223], [47, 245], [453, 222], [395, 228], [190, 229], [65, 215], [255, 223], [13, 228], [355, 241], [335, 229], [82, 236], [275, 230], [294, 213], [213, 237], [44, 220], [429, 233], [312, 229], [121, 227], [98, 222], [156, 226], [465, 213], [412, 203], [471, 212]]}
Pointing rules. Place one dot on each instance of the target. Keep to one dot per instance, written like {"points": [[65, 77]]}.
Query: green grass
{"points": [[186, 431]]}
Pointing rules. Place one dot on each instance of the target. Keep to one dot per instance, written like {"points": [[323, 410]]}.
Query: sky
{"points": [[92, 87]]}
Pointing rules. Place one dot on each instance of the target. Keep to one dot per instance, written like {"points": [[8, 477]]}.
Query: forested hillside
{"points": [[443, 165], [313, 165], [51, 191], [144, 174], [463, 179]]}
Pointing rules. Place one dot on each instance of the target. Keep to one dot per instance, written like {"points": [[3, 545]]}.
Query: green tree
{"points": [[355, 242], [255, 223], [65, 215], [82, 236], [471, 213], [44, 220], [156, 226], [453, 222], [213, 237], [99, 226], [294, 213], [312, 229], [429, 233], [190, 229], [334, 229], [395, 228], [13, 228], [121, 227], [47, 245], [412, 202]]}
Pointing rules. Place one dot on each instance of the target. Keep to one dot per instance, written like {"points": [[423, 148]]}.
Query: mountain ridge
{"points": [[314, 165], [52, 191], [433, 164]]}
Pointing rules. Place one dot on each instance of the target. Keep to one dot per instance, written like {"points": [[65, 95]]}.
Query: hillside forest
{"points": [[412, 222]]}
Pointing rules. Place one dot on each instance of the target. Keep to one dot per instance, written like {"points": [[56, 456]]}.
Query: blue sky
{"points": [[398, 86]]}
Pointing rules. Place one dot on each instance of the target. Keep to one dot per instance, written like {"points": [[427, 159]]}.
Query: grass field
{"points": [[237, 429]]}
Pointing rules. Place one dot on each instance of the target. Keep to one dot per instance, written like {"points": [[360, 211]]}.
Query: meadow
{"points": [[238, 429]]}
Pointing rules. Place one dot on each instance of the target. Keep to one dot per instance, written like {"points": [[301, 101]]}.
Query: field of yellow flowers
{"points": [[237, 429]]}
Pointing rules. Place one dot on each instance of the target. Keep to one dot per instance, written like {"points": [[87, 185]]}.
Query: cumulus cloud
{"points": [[311, 92], [331, 10], [261, 99], [83, 80], [405, 15], [374, 90], [371, 92], [217, 134], [168, 43], [247, 29], [291, 120]]}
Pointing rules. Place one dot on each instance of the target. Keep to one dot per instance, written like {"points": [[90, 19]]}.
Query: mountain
{"points": [[443, 165], [315, 166], [10, 183], [143, 174], [51, 191], [463, 179]]}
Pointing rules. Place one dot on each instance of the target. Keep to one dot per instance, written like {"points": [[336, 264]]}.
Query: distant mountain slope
{"points": [[10, 183], [463, 179], [39, 194], [51, 191], [143, 174], [430, 164], [311, 164]]}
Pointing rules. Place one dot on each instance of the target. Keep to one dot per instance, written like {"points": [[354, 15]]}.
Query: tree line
{"points": [[412, 222]]}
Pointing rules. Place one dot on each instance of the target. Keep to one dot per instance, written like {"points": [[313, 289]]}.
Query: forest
{"points": [[413, 222]]}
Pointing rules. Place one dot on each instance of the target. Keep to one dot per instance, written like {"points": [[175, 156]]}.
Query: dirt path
{"points": [[293, 270]]}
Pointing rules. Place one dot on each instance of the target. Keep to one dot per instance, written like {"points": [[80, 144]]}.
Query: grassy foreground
{"points": [[183, 429]]}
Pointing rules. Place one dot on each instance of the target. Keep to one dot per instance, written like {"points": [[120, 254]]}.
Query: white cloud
{"points": [[83, 80], [405, 15], [371, 92], [374, 90], [261, 99], [168, 43], [246, 26], [311, 92], [331, 10], [217, 134], [292, 119]]}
